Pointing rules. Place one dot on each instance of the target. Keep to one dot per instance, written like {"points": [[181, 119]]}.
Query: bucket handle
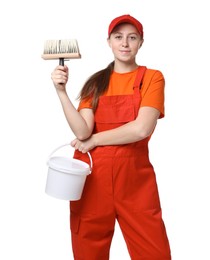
{"points": [[63, 145]]}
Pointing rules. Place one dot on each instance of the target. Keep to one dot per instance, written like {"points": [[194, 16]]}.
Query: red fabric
{"points": [[121, 186], [125, 19]]}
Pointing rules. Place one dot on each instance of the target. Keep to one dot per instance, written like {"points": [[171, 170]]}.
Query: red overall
{"points": [[121, 186]]}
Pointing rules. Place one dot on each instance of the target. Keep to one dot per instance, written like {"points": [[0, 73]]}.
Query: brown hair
{"points": [[96, 85]]}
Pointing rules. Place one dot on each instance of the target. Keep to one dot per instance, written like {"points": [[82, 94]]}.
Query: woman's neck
{"points": [[124, 67]]}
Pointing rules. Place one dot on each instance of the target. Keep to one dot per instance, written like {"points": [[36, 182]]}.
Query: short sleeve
{"points": [[152, 91], [85, 103]]}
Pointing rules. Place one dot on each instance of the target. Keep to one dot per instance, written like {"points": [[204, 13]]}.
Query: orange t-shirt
{"points": [[152, 90]]}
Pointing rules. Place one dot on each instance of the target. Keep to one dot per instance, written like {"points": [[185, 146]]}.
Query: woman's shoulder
{"points": [[153, 77], [153, 73]]}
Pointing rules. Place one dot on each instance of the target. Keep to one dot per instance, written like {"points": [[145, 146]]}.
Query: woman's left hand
{"points": [[85, 145]]}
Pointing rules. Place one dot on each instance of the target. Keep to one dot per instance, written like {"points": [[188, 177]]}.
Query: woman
{"points": [[118, 111]]}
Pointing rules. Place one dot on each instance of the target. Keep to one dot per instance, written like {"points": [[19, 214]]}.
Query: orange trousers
{"points": [[117, 191]]}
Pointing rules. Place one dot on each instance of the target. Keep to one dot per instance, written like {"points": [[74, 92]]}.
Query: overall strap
{"points": [[139, 77], [137, 87]]}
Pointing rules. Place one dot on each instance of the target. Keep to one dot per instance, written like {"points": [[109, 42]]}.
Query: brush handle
{"points": [[61, 61]]}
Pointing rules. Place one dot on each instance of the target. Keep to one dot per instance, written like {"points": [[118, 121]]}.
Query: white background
{"points": [[32, 224]]}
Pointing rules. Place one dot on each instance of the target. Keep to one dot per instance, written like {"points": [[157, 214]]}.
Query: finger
{"points": [[59, 74], [59, 79], [80, 146], [60, 70], [66, 69], [73, 142], [84, 150], [77, 146]]}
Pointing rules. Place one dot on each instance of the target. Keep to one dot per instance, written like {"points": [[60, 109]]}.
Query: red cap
{"points": [[125, 19]]}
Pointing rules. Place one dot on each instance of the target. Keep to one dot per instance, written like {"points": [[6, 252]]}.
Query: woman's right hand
{"points": [[59, 77]]}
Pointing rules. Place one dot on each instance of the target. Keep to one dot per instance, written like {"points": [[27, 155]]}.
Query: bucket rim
{"points": [[69, 145], [82, 171]]}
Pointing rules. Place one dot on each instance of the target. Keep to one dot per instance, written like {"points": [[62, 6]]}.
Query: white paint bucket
{"points": [[66, 176]]}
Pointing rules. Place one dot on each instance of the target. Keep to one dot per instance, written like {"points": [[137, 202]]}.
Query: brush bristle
{"points": [[54, 49]]}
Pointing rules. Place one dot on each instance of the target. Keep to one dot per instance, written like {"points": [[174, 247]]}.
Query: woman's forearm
{"points": [[131, 132], [128, 133]]}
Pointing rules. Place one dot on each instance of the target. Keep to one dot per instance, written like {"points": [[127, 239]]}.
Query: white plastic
{"points": [[66, 176]]}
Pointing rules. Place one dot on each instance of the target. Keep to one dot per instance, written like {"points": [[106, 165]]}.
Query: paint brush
{"points": [[61, 49]]}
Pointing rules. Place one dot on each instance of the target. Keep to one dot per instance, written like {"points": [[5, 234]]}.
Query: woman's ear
{"points": [[108, 41], [141, 42]]}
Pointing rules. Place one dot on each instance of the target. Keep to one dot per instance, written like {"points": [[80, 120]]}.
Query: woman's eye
{"points": [[133, 37]]}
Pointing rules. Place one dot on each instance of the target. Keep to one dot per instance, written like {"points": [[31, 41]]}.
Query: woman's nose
{"points": [[125, 42]]}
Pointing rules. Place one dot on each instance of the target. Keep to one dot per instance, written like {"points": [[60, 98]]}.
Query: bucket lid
{"points": [[69, 165]]}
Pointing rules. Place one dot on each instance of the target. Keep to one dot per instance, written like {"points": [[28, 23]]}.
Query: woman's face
{"points": [[125, 42]]}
